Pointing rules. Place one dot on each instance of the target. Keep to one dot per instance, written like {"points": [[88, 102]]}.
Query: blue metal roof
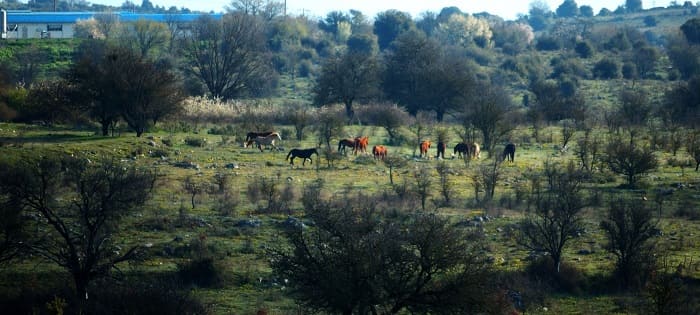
{"points": [[72, 17]]}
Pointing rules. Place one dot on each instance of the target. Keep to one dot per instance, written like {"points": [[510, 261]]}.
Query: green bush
{"points": [[195, 142], [202, 272]]}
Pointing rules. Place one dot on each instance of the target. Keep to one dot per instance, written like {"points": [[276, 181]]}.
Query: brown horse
{"points": [[379, 152], [361, 144], [261, 141], [441, 146], [343, 144], [424, 146]]}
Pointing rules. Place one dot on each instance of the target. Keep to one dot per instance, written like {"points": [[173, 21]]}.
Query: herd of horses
{"points": [[360, 144]]}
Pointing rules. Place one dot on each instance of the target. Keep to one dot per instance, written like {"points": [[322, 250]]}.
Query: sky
{"points": [[507, 9]]}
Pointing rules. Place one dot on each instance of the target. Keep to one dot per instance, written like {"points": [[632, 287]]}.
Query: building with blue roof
{"points": [[27, 24]]}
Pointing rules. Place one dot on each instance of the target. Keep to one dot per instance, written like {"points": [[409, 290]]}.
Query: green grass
{"points": [[241, 251]]}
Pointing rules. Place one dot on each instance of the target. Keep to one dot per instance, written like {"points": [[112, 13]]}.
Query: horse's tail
{"points": [[288, 155], [340, 143]]}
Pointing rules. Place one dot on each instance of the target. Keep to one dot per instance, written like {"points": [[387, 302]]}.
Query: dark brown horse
{"points": [[462, 149], [343, 144], [509, 153], [441, 146]]}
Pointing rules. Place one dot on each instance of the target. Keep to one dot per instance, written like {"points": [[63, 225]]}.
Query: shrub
{"points": [[584, 49], [195, 142], [606, 69], [202, 272], [547, 43]]}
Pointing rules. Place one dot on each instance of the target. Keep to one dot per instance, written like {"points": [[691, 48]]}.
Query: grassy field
{"points": [[173, 231]]}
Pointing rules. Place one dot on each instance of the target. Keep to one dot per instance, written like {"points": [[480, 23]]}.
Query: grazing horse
{"points": [[462, 149], [474, 150], [267, 140], [424, 146], [343, 144], [379, 152], [441, 146], [301, 153], [509, 152], [252, 135], [361, 144]]}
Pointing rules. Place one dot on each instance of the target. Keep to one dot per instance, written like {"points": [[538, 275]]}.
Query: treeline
{"points": [[439, 62]]}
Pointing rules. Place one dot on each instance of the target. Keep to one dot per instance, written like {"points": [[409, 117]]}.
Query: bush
{"points": [[606, 69], [547, 44], [569, 279], [228, 130], [584, 49], [195, 142], [202, 272]]}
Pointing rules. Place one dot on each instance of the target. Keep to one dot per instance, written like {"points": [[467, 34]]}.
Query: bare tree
{"points": [[229, 55], [329, 125], [147, 35], [693, 147], [394, 162], [80, 203], [485, 177], [628, 159], [588, 151], [422, 185], [629, 227], [556, 218]]}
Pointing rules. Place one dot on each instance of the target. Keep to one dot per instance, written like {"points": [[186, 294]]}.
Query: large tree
{"points": [[388, 25], [356, 260], [486, 108], [81, 204], [420, 75], [118, 82], [350, 77], [228, 55]]}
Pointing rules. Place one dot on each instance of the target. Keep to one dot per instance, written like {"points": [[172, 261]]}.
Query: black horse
{"points": [[304, 154], [461, 148], [509, 153]]}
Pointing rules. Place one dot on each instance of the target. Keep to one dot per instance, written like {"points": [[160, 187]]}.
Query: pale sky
{"points": [[507, 9]]}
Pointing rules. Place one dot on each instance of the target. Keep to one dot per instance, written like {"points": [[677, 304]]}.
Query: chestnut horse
{"points": [[379, 152], [361, 144], [424, 146]]}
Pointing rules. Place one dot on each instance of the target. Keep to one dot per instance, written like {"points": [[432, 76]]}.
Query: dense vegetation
{"points": [[124, 189]]}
